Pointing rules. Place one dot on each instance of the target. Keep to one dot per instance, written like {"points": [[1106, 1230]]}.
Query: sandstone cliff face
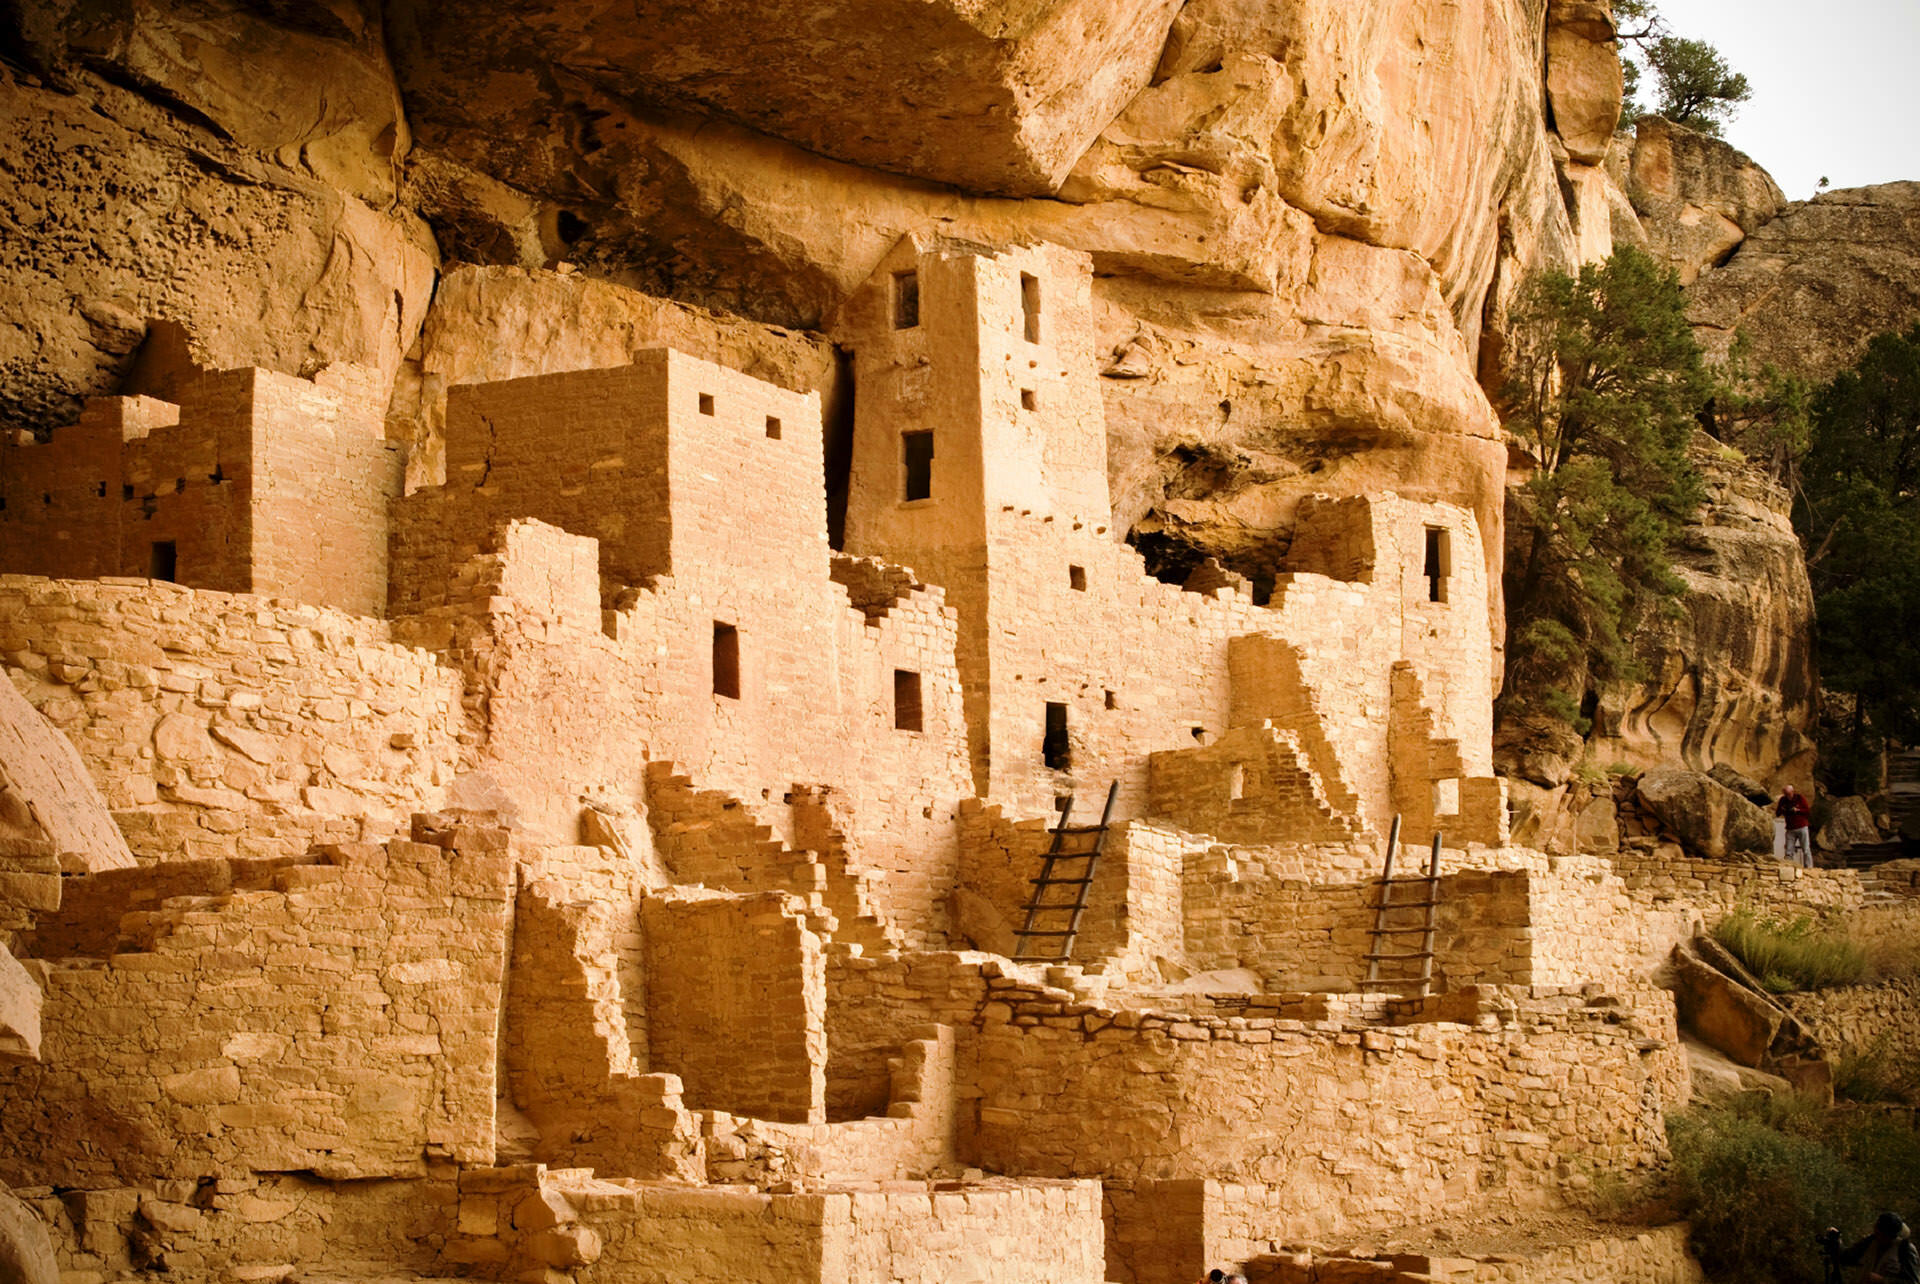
{"points": [[1307, 216], [1731, 679], [1812, 286], [1696, 196], [158, 172]]}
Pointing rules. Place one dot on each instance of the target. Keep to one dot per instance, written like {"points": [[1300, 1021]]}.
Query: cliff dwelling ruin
{"points": [[529, 779]]}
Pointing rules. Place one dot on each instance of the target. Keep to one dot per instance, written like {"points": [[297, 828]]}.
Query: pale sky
{"points": [[1836, 85]]}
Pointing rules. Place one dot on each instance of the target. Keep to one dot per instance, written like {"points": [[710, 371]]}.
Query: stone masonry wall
{"points": [[1538, 921], [173, 1058], [736, 1002], [227, 725], [517, 1220], [875, 1005], [259, 482], [1416, 1121], [1134, 907], [1882, 1018]]}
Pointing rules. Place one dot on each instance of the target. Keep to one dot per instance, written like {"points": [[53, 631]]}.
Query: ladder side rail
{"points": [[1380, 910], [1433, 900]]}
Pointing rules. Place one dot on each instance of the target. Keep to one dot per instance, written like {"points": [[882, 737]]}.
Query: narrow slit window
{"points": [[706, 403], [916, 453], [726, 660], [1055, 751], [1237, 783], [1030, 305], [1439, 563], [906, 700], [906, 300], [1077, 578], [773, 427], [163, 560], [1029, 399]]}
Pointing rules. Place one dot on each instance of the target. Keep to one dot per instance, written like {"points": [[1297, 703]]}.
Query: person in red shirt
{"points": [[1794, 808]]}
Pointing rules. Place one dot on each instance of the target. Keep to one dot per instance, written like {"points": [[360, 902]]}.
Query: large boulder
{"points": [[1849, 821], [1729, 1017], [1584, 80], [1708, 818], [47, 800], [26, 1250], [20, 1003]]}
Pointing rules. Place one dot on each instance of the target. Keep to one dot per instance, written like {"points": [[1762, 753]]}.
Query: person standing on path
{"points": [[1794, 808]]}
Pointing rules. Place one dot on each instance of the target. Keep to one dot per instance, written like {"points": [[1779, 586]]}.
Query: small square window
{"points": [[906, 300], [773, 427], [706, 403], [1077, 578], [906, 700], [1029, 399]]}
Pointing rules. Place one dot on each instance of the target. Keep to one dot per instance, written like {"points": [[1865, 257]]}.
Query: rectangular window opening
{"points": [[1077, 578], [773, 427], [726, 660], [916, 452], [1113, 701], [163, 560], [1439, 563], [706, 403], [1055, 751], [1237, 783], [1029, 399], [100, 489], [906, 700], [1030, 305], [906, 300]]}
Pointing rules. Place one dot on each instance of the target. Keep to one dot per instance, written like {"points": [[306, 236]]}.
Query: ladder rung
{"points": [[1422, 954], [1393, 905], [1044, 881], [1061, 931]]}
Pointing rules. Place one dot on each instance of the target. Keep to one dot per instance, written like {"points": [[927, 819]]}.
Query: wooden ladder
{"points": [[1383, 931], [1039, 908]]}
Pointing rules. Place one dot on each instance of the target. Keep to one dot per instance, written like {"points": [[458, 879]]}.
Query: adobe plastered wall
{"points": [[259, 481], [224, 724], [173, 1056]]}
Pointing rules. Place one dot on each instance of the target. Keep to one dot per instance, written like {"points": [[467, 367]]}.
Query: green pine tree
{"points": [[1603, 397]]}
